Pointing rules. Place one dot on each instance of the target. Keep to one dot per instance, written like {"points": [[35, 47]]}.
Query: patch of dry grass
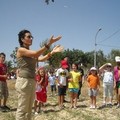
{"points": [[52, 112]]}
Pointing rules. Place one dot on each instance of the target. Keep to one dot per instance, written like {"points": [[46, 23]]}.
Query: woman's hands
{"points": [[56, 49], [54, 39]]}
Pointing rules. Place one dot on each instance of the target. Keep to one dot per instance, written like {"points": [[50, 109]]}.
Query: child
{"points": [[62, 74], [3, 84], [94, 85], [73, 85], [52, 81], [108, 79], [117, 80], [41, 92]]}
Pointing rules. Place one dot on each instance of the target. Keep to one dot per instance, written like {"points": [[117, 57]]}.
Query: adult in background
{"points": [[26, 62], [3, 84]]}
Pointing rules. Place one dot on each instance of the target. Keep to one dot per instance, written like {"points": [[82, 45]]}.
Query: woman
{"points": [[26, 61]]}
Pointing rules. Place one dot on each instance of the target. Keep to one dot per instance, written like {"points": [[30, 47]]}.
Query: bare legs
{"points": [[93, 101], [60, 100], [73, 99]]}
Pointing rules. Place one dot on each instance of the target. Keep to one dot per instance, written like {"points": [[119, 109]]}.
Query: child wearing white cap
{"points": [[94, 85], [107, 72]]}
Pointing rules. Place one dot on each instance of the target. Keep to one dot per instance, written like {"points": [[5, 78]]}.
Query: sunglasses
{"points": [[29, 36], [2, 57]]}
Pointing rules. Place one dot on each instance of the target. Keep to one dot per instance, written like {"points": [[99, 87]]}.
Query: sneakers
{"points": [[4, 108], [115, 103], [104, 105], [36, 113], [92, 106], [109, 105], [75, 107]]}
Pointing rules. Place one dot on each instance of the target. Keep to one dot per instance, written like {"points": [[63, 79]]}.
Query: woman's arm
{"points": [[30, 53], [56, 49]]}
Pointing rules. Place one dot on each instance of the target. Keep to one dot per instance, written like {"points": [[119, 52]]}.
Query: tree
{"points": [[54, 60], [113, 53], [88, 59], [75, 56], [9, 65], [101, 58], [13, 56]]}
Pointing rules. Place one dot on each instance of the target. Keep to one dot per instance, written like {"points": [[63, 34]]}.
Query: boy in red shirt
{"points": [[3, 84]]}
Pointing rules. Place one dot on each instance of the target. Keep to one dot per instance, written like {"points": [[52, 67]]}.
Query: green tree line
{"points": [[74, 55]]}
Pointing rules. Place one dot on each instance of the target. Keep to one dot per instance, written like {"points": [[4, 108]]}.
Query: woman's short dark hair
{"points": [[21, 36]]}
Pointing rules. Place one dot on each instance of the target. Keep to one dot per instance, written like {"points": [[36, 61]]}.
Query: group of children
{"points": [[65, 80], [70, 80]]}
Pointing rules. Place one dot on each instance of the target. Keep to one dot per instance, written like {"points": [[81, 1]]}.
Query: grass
{"points": [[52, 112]]}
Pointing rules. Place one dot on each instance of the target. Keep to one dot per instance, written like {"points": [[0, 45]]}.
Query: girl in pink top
{"points": [[117, 80]]}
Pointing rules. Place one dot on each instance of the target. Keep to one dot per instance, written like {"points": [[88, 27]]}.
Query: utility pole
{"points": [[96, 46]]}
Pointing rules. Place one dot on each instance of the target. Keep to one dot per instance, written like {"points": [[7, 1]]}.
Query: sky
{"points": [[78, 21]]}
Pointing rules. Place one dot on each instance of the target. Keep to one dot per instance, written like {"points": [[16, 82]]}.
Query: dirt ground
{"points": [[52, 112]]}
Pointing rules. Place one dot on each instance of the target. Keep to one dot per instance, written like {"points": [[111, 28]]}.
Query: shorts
{"points": [[74, 90], [3, 90], [118, 84], [53, 88], [92, 92], [61, 90], [107, 90]]}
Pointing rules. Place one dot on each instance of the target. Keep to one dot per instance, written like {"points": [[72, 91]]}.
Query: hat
{"points": [[117, 58], [64, 64], [109, 64], [93, 68]]}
